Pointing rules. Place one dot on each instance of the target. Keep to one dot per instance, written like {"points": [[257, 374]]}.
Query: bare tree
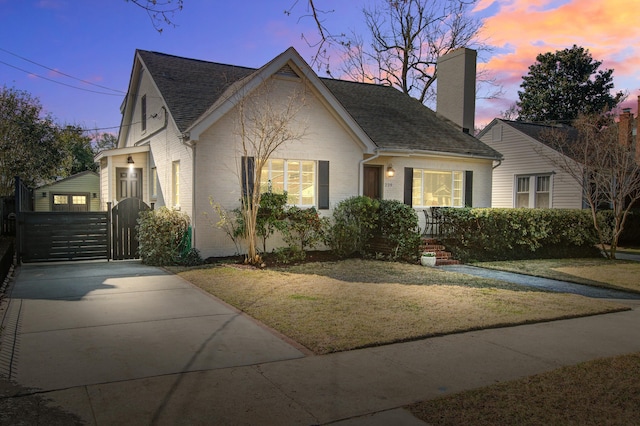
{"points": [[606, 168], [266, 121], [160, 11], [405, 39], [324, 40], [510, 113]]}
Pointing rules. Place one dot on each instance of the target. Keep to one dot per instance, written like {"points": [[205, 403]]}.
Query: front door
{"points": [[129, 183], [372, 182]]}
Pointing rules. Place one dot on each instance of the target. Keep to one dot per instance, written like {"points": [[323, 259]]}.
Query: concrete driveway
{"points": [[86, 323]]}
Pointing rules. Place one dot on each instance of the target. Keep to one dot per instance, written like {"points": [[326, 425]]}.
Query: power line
{"points": [[58, 82], [60, 72]]}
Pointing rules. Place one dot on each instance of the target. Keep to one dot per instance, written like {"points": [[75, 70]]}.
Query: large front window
{"points": [[297, 177], [437, 188]]}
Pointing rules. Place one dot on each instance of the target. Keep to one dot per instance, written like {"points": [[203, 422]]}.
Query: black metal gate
{"points": [[124, 236]]}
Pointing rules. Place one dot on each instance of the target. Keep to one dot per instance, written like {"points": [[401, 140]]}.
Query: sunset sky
{"points": [[95, 40]]}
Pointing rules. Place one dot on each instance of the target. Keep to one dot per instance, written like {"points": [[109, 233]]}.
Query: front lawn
{"points": [[599, 392], [617, 274], [337, 306]]}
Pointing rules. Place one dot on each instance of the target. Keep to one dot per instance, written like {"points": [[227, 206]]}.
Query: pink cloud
{"points": [[522, 29]]}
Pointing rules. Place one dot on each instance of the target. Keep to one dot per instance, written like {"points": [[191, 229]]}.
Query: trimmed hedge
{"points": [[485, 234], [398, 224], [360, 224]]}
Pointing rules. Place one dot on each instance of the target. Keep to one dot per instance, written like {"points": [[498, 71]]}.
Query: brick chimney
{"points": [[456, 93], [625, 127]]}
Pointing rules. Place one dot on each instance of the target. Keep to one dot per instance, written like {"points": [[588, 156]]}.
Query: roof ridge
{"points": [[196, 60]]}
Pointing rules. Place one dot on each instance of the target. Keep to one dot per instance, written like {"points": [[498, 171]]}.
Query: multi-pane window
{"points": [[438, 188], [79, 199], [297, 177], [176, 183], [60, 199], [522, 192], [543, 189], [533, 191]]}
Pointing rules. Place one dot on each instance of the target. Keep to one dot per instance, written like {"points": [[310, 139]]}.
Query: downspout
{"points": [[497, 165], [185, 139], [361, 177]]}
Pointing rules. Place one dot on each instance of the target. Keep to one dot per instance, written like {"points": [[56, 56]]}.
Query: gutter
{"points": [[413, 152]]}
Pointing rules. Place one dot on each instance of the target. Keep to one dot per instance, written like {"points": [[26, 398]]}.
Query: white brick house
{"points": [[179, 143]]}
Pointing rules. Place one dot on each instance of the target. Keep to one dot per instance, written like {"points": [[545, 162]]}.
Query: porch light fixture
{"points": [[130, 160], [390, 171], [44, 195]]}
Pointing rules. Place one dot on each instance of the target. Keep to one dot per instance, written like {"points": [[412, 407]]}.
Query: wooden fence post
{"points": [[18, 198], [109, 231]]}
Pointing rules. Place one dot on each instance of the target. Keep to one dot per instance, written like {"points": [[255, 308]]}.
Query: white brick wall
{"points": [[218, 164]]}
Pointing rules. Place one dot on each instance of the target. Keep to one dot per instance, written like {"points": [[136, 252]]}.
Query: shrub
{"points": [[502, 234], [271, 215], [354, 221], [304, 229], [164, 237], [398, 223]]}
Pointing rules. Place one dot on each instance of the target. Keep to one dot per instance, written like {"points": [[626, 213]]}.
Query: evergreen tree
{"points": [[561, 86]]}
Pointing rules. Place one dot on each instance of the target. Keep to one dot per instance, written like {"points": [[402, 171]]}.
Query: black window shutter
{"points": [[323, 184], [408, 186], [468, 188], [246, 177]]}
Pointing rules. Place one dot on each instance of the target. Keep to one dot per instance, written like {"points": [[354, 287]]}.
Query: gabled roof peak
{"points": [[379, 114]]}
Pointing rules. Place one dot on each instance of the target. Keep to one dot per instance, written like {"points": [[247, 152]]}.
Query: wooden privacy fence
{"points": [[50, 236]]}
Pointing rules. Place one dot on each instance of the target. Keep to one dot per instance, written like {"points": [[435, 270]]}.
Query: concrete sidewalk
{"points": [[543, 283], [85, 323], [358, 387], [361, 387]]}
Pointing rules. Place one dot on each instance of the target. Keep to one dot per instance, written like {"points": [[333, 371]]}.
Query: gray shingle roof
{"points": [[190, 86], [392, 120], [538, 130]]}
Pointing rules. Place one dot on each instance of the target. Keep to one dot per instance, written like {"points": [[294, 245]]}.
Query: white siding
{"points": [[524, 156], [86, 184]]}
